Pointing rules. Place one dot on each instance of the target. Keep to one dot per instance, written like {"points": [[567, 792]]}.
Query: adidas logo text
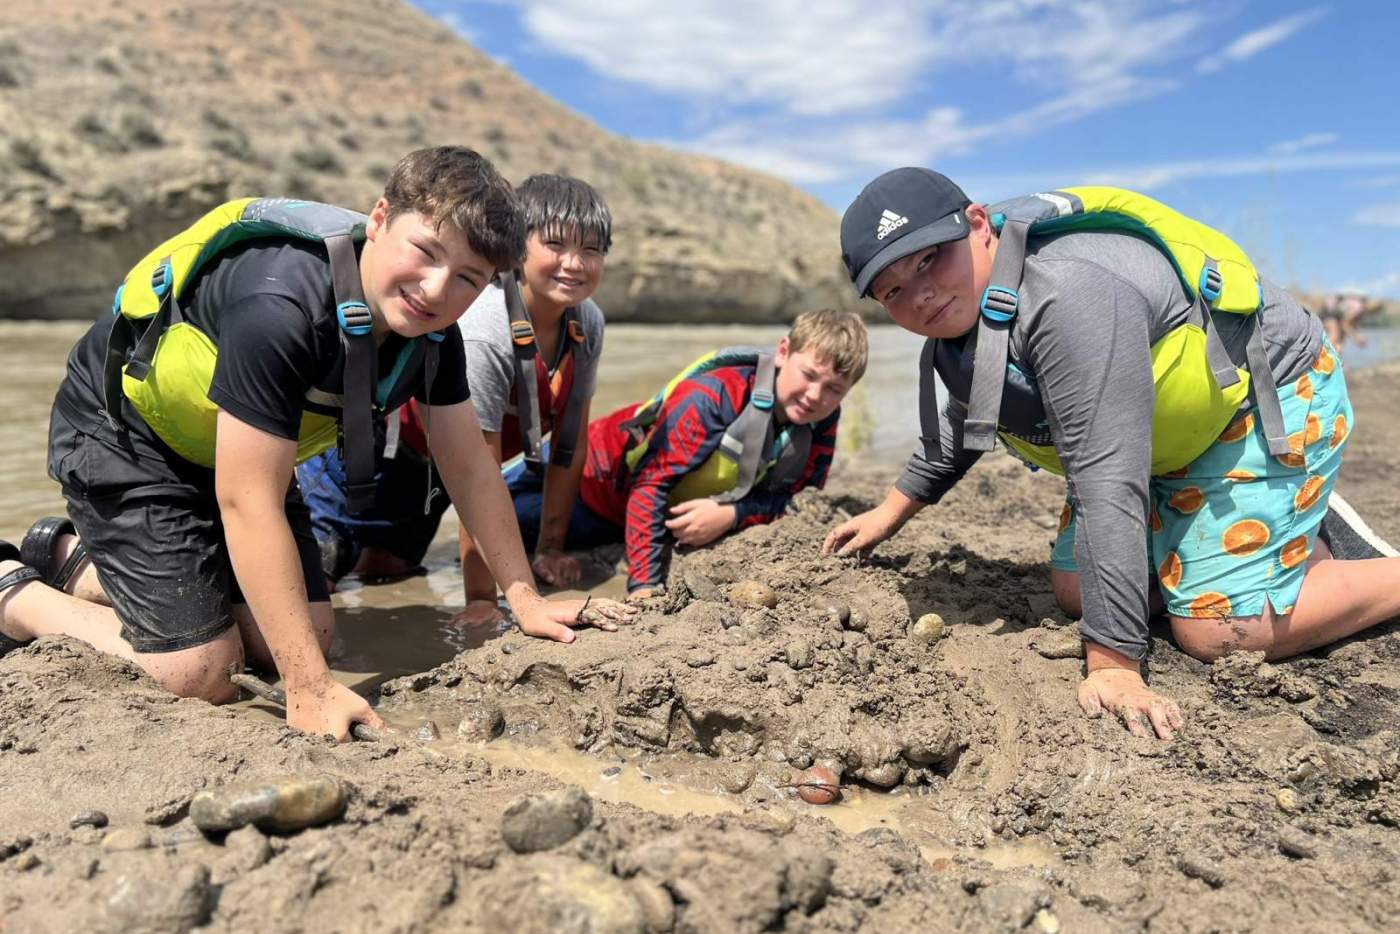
{"points": [[889, 223]]}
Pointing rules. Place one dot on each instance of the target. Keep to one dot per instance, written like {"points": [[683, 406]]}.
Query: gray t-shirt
{"points": [[491, 357], [1092, 305]]}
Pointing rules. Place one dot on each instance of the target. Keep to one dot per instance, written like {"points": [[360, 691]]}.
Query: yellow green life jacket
{"points": [[163, 364], [754, 447], [1198, 387]]}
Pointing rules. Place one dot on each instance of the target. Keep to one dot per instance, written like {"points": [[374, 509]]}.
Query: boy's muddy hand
{"points": [[325, 706], [861, 534], [554, 619], [555, 568], [479, 613], [700, 521], [1123, 692]]}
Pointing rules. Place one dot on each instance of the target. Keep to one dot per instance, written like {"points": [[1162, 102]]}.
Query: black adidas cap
{"points": [[901, 212]]}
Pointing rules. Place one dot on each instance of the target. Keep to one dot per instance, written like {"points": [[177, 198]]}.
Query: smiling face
{"points": [[561, 269], [418, 277], [807, 387], [936, 292]]}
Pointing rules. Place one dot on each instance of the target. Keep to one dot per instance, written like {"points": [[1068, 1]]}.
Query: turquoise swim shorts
{"points": [[1235, 527]]}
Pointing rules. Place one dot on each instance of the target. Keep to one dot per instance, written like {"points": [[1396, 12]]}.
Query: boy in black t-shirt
{"points": [[184, 545]]}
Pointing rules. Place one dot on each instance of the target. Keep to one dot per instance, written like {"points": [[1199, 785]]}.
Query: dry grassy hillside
{"points": [[121, 120]]}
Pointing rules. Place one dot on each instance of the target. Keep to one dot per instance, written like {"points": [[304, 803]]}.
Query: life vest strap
{"points": [[566, 432], [564, 438], [998, 313], [360, 373], [750, 437], [1265, 391]]}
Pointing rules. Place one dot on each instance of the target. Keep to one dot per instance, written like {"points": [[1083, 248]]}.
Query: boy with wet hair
{"points": [[192, 545], [673, 470], [532, 342]]}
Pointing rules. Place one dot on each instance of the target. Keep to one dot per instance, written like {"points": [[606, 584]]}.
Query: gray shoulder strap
{"points": [[998, 312], [749, 437], [360, 376], [527, 388]]}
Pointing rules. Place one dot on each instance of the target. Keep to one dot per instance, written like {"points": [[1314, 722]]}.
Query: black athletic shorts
{"points": [[150, 521]]}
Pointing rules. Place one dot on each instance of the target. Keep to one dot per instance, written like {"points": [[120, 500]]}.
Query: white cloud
{"points": [[1252, 43], [1384, 284], [1310, 141], [1375, 182], [458, 24], [801, 56], [1379, 215], [820, 58]]}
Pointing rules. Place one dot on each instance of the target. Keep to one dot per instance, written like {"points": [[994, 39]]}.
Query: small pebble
{"points": [[1297, 843], [928, 628], [700, 658], [1046, 922], [427, 732], [542, 822], [88, 819], [819, 785], [753, 595], [1287, 800], [1198, 867], [25, 862], [483, 723], [612, 770], [278, 806], [127, 838], [832, 607]]}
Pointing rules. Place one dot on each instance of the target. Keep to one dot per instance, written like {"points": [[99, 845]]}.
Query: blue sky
{"points": [[1274, 121]]}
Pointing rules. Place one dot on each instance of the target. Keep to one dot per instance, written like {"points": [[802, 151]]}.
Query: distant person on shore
{"points": [[1342, 314], [532, 342], [1199, 461], [282, 324], [724, 446]]}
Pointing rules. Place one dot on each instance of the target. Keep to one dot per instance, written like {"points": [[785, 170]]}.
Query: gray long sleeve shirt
{"points": [[1092, 305]]}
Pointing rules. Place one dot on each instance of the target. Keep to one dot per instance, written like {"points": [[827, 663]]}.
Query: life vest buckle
{"points": [[117, 299], [999, 303], [762, 399], [1211, 284], [355, 318], [437, 337], [522, 333], [161, 279]]}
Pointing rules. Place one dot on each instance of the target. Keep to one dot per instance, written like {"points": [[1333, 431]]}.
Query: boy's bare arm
{"points": [[473, 480], [252, 471], [560, 493], [480, 586]]}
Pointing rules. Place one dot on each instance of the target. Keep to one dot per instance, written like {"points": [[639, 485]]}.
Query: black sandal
{"points": [[37, 551], [18, 576]]}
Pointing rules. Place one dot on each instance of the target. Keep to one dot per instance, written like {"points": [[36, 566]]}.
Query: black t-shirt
{"points": [[270, 309]]}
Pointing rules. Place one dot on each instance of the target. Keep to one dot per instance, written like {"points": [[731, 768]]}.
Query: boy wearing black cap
{"points": [[1093, 321]]}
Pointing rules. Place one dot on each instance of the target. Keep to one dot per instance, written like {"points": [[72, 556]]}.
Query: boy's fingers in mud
{"points": [[556, 568], [329, 708], [548, 622], [1089, 700]]}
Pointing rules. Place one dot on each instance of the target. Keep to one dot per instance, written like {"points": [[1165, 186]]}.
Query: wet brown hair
{"points": [[459, 186], [837, 337]]}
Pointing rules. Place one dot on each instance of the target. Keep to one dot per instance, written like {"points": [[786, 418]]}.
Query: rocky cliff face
{"points": [[122, 120]]}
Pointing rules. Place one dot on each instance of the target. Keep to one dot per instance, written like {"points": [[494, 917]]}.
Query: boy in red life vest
{"points": [[725, 448]]}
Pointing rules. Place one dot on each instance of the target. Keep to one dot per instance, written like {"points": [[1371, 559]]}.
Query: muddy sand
{"points": [[977, 797]]}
